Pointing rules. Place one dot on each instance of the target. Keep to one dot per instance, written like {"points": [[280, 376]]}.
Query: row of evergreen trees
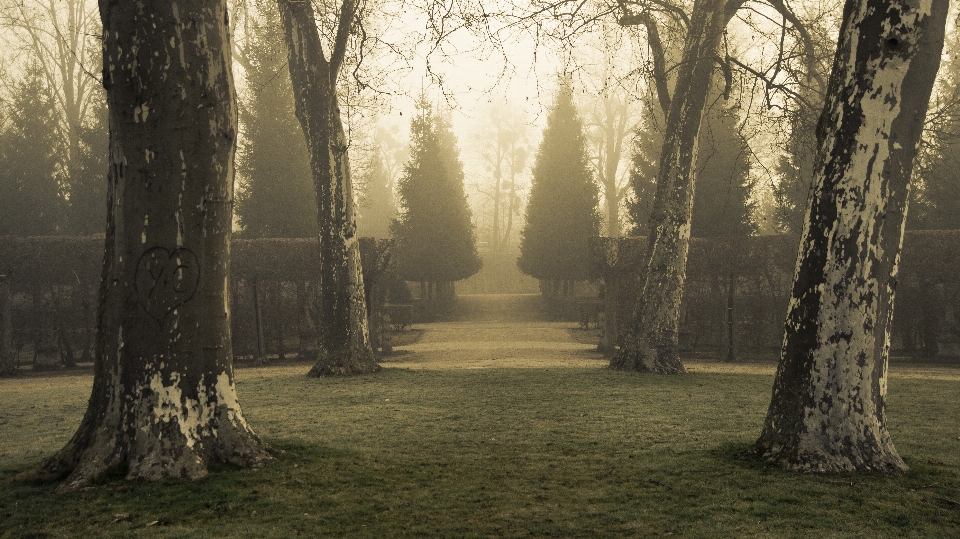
{"points": [[435, 239], [38, 197]]}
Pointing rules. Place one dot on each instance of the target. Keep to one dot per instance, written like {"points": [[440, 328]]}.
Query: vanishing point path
{"points": [[496, 331]]}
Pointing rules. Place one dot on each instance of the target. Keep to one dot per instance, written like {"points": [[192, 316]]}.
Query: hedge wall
{"points": [[54, 282], [761, 271]]}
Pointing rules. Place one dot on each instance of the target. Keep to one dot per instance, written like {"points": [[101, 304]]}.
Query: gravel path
{"points": [[496, 331]]}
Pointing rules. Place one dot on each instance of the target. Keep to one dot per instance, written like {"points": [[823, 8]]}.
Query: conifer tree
{"points": [[721, 202], [435, 240], [796, 166], [562, 209], [277, 197], [88, 187], [645, 163], [31, 196], [936, 202], [377, 204]]}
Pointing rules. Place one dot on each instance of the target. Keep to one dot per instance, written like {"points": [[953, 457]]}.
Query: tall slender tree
{"points": [[722, 204], [936, 198], [435, 241], [828, 408], [650, 343], [344, 340], [276, 197], [32, 201], [88, 186], [378, 207], [163, 402], [562, 210]]}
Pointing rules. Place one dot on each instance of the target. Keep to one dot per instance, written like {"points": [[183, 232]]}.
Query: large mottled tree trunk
{"points": [[164, 402], [650, 344], [827, 413], [344, 335]]}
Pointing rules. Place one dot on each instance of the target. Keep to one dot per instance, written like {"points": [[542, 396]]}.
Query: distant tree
{"points": [[435, 241], [276, 197], [611, 117], [61, 40], [88, 187], [502, 146], [722, 204], [378, 206], [936, 195], [32, 201], [562, 209]]}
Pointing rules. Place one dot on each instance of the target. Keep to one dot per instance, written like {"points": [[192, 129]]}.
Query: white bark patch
{"points": [[140, 115], [178, 27], [227, 399], [193, 417]]}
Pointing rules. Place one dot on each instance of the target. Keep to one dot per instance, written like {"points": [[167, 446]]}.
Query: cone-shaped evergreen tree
{"points": [[88, 188], [377, 205], [31, 200], [277, 198], [936, 195], [435, 240], [721, 203], [562, 209]]}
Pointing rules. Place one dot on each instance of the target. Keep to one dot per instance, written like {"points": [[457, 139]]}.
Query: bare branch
{"points": [[770, 83], [348, 12], [812, 72]]}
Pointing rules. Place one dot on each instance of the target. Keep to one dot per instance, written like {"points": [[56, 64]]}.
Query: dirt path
{"points": [[497, 331]]}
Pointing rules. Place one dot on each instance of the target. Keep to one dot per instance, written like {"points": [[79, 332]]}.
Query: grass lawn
{"points": [[569, 452]]}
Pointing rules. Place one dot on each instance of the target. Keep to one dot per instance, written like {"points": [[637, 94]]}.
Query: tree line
{"points": [[163, 401]]}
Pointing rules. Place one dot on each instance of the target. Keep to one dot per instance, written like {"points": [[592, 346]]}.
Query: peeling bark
{"points": [[164, 402], [828, 409], [344, 337], [650, 344]]}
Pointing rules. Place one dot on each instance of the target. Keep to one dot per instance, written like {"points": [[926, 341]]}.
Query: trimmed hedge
{"points": [[762, 268], [54, 281]]}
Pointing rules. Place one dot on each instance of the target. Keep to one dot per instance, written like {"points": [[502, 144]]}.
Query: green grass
{"points": [[568, 452]]}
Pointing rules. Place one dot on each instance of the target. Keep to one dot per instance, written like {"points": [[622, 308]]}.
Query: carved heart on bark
{"points": [[166, 280]]}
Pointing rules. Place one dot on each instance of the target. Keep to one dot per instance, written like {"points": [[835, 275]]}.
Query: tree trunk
{"points": [[303, 318], [164, 402], [496, 241], [7, 365], [731, 296], [344, 335], [611, 306], [651, 344], [279, 317], [827, 413], [259, 350]]}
